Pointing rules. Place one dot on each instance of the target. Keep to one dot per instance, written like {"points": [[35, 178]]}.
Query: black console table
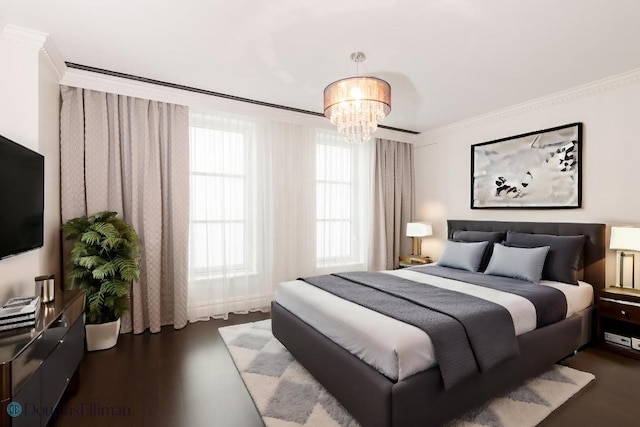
{"points": [[37, 364]]}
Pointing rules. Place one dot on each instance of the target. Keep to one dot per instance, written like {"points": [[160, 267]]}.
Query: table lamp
{"points": [[624, 239], [417, 230]]}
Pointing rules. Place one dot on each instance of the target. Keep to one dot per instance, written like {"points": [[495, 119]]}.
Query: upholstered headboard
{"points": [[594, 248]]}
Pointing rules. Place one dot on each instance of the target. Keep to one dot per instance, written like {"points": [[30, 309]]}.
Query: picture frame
{"points": [[535, 170]]}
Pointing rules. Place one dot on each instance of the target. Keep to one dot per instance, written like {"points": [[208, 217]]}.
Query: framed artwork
{"points": [[535, 170]]}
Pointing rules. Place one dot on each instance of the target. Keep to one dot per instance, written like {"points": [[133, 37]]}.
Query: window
{"points": [[220, 229], [336, 204], [270, 202]]}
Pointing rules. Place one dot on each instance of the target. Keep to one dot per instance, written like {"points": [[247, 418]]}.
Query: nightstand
{"points": [[619, 320], [406, 264]]}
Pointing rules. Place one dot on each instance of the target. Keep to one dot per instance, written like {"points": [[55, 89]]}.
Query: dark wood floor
{"points": [[186, 378]]}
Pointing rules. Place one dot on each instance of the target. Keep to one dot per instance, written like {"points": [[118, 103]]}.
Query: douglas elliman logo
{"points": [[84, 409]]}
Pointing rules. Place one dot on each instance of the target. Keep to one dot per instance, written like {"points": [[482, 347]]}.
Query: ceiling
{"points": [[446, 60]]}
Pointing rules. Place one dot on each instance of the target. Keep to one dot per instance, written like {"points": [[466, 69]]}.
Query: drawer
{"points": [[29, 398], [619, 311], [61, 364], [30, 359]]}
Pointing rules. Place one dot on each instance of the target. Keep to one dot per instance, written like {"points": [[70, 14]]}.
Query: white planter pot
{"points": [[102, 336]]}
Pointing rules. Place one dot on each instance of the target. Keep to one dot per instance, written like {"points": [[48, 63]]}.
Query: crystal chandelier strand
{"points": [[357, 120]]}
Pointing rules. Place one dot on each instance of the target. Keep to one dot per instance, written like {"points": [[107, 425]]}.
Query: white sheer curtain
{"points": [[270, 202], [230, 211]]}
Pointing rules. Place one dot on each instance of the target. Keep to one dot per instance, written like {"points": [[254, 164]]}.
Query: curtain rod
{"points": [[208, 92]]}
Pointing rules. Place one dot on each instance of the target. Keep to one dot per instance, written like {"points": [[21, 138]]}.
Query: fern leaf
{"points": [[128, 269], [91, 237], [91, 262], [75, 227], [106, 270], [106, 229], [79, 250]]}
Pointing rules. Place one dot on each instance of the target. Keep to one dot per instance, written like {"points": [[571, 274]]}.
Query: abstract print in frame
{"points": [[536, 170]]}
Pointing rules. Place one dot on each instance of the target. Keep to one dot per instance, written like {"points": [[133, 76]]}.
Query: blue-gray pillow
{"points": [[462, 255], [480, 236], [565, 254], [519, 263]]}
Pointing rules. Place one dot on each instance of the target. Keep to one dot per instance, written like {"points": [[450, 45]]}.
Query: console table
{"points": [[37, 364]]}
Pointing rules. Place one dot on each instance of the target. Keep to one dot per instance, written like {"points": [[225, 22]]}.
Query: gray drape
{"points": [[131, 156], [393, 196]]}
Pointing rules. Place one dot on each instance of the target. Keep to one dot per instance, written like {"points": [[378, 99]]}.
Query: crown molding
{"points": [[54, 57], [138, 89], [617, 81], [36, 40]]}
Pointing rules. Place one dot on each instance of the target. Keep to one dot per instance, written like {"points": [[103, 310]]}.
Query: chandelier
{"points": [[356, 105]]}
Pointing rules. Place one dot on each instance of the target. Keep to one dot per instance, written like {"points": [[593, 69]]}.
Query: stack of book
{"points": [[19, 313]]}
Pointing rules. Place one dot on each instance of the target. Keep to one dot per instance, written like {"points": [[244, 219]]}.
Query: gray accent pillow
{"points": [[462, 255], [565, 254], [519, 263], [480, 236]]}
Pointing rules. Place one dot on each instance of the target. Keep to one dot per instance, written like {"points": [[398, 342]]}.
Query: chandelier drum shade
{"points": [[356, 105]]}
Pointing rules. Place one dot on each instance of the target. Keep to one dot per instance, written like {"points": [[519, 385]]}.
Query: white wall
{"points": [[29, 109], [610, 111], [49, 147]]}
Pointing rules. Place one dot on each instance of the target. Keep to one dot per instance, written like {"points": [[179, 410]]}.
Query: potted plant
{"points": [[105, 261]]}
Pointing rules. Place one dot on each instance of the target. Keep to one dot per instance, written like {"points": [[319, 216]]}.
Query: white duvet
{"points": [[395, 348]]}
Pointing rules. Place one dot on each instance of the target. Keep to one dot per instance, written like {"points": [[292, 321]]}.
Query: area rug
{"points": [[286, 395]]}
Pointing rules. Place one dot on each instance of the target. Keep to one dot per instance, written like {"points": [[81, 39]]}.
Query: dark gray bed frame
{"points": [[420, 400]]}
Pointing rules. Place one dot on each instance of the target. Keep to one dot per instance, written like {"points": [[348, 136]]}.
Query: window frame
{"points": [[327, 138], [247, 129]]}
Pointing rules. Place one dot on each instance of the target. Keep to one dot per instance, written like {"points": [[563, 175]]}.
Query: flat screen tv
{"points": [[21, 198]]}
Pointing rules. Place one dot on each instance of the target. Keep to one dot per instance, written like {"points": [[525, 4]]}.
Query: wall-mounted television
{"points": [[21, 198]]}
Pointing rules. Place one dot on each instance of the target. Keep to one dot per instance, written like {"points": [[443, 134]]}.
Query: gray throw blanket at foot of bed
{"points": [[469, 334]]}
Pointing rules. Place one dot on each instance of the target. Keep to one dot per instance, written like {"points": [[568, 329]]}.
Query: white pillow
{"points": [[519, 263], [463, 255]]}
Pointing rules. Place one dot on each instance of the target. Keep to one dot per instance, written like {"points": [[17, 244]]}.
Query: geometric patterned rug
{"points": [[286, 395]]}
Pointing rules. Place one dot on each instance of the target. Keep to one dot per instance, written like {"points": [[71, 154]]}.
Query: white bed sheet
{"points": [[396, 349]]}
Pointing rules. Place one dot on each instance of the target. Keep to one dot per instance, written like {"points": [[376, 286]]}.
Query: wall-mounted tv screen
{"points": [[21, 198]]}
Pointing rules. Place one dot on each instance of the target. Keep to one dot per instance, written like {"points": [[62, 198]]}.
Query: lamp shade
{"points": [[419, 229], [625, 238]]}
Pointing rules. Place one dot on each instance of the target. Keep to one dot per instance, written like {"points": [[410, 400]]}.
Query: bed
{"points": [[378, 399]]}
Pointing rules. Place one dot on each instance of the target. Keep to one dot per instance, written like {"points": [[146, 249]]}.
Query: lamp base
{"points": [[624, 273]]}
